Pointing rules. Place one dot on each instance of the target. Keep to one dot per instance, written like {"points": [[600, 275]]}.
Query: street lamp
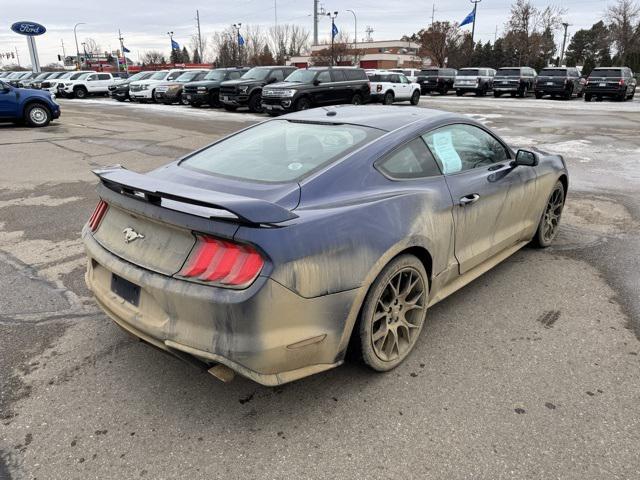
{"points": [[355, 21], [332, 16], [475, 9], [75, 35]]}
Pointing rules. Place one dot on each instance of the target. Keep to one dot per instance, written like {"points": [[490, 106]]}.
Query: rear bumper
{"points": [[266, 332], [605, 91]]}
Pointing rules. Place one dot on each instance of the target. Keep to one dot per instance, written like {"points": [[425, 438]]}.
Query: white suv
{"points": [[144, 90], [410, 73], [389, 87], [96, 83], [52, 86]]}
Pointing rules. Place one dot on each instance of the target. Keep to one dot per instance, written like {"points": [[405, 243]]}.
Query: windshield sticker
{"points": [[447, 154], [295, 166]]}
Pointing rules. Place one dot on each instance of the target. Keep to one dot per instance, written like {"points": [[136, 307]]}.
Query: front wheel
{"points": [[393, 314], [587, 97], [538, 95], [302, 103], [497, 94], [550, 221], [255, 103], [37, 115], [80, 92], [459, 93], [415, 98], [230, 108]]}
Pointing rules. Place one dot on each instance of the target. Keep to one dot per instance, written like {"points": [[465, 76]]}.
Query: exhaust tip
{"points": [[222, 373]]}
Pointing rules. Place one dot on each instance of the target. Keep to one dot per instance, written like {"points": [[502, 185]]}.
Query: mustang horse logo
{"points": [[130, 235]]}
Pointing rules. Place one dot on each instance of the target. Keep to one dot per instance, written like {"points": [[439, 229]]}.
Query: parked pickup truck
{"points": [[34, 107], [87, 84], [247, 90]]}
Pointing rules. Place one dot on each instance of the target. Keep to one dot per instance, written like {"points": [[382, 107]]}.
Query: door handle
{"points": [[469, 199]]}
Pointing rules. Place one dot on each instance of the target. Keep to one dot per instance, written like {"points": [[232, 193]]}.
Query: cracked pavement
{"points": [[531, 371]]}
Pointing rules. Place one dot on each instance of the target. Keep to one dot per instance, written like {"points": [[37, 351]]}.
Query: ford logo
{"points": [[28, 28]]}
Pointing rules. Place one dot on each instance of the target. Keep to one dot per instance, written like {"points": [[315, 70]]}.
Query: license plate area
{"points": [[130, 292], [602, 84]]}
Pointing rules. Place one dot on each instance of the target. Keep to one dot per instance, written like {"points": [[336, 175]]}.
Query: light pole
{"points": [[332, 16], [564, 42], [84, 49], [355, 28], [236, 27], [475, 9], [75, 35]]}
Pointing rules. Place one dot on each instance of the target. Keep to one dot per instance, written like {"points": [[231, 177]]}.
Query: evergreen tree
{"points": [[184, 56], [175, 56], [196, 56]]}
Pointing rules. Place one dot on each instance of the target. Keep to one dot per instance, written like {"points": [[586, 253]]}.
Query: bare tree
{"points": [[439, 40], [344, 52], [623, 19], [198, 54], [226, 49], [152, 57]]}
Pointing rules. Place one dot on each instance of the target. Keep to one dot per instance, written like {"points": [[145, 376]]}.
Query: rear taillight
{"points": [[98, 215], [621, 82], [222, 263]]}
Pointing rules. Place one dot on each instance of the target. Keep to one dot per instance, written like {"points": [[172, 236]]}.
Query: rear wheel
{"points": [[497, 94], [230, 108], [255, 103], [393, 314], [482, 91], [388, 98], [415, 98], [459, 93], [356, 99], [195, 104], [522, 92], [587, 97], [37, 115], [550, 221], [568, 94], [538, 95]]}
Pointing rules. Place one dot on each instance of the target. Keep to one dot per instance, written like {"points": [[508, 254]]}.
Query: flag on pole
{"points": [[174, 45], [469, 18], [334, 31], [125, 49], [240, 40]]}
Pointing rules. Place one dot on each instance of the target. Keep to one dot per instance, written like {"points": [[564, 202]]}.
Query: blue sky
{"points": [[144, 23]]}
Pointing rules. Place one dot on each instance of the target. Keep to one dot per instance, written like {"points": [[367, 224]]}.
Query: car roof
{"points": [[382, 117]]}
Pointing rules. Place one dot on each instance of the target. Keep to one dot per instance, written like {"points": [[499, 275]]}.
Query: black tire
{"points": [[633, 94], [497, 94], [356, 99], [195, 104], [153, 97], [303, 103], [183, 100], [443, 91], [371, 350], [230, 108], [415, 97], [522, 92], [37, 115], [255, 103], [513, 94], [214, 100], [459, 93], [388, 98], [80, 92], [120, 99], [568, 94], [587, 97], [580, 94], [550, 219], [538, 95], [482, 91]]}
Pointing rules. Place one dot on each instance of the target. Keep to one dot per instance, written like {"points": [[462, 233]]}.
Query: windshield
{"points": [[256, 74], [469, 72], [553, 72], [280, 150], [430, 73], [66, 75], [139, 76], [188, 76], [158, 75], [43, 75], [77, 76], [606, 72], [215, 75], [509, 72], [301, 76]]}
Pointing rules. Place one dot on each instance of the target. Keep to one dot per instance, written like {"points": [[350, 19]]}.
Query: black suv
{"points": [[514, 80], [207, 90], [439, 80], [616, 82], [316, 86], [120, 90], [559, 81], [247, 90]]}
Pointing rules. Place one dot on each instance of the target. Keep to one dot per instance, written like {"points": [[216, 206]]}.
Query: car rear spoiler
{"points": [[154, 190]]}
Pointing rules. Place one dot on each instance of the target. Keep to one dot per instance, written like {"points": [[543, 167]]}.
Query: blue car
{"points": [[36, 108], [274, 251]]}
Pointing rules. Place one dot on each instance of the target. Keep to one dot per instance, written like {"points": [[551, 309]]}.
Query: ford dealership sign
{"points": [[28, 28]]}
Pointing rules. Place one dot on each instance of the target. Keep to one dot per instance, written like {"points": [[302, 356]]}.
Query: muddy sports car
{"points": [[274, 251]]}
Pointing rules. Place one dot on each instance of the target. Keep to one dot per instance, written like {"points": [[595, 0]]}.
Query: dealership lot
{"points": [[532, 371]]}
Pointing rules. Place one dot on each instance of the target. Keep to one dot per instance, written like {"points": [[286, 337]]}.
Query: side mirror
{"points": [[316, 82], [526, 158], [271, 80]]}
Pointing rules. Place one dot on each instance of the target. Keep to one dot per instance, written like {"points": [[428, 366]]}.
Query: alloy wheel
{"points": [[398, 315], [552, 213]]}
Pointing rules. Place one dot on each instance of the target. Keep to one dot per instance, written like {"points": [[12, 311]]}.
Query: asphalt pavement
{"points": [[530, 372]]}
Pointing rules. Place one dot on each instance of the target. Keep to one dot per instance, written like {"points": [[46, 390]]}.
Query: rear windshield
{"points": [[158, 75], [606, 72], [380, 77], [553, 72], [509, 72], [280, 150], [469, 72]]}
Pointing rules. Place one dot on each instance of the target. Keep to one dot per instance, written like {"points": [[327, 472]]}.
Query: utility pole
{"points": [[475, 9], [564, 42], [64, 54], [433, 12], [333, 26], [17, 56], [315, 22], [199, 35], [275, 11], [75, 35], [369, 31], [124, 55]]}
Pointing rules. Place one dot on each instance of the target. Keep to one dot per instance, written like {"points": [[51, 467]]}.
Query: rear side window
{"points": [[234, 75], [338, 75], [324, 76], [103, 76], [462, 147], [280, 150], [413, 160], [355, 74]]}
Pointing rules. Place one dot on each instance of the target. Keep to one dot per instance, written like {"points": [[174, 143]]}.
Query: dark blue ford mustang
{"points": [[273, 250]]}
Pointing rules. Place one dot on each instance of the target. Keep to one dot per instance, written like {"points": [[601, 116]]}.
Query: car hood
{"points": [[207, 83], [235, 83], [287, 85]]}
